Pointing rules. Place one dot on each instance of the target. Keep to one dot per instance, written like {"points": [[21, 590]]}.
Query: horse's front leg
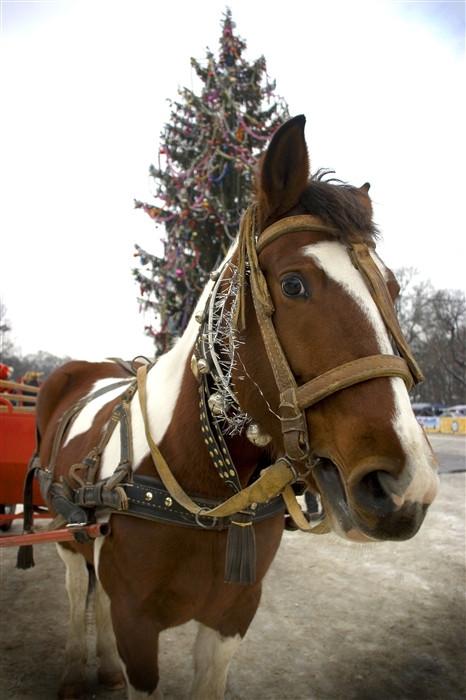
{"points": [[137, 639], [73, 680], [216, 644], [212, 656], [110, 674]]}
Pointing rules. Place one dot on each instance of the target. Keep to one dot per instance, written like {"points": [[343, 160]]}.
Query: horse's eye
{"points": [[293, 287]]}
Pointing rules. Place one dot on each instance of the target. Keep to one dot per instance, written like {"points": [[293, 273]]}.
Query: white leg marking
{"points": [[212, 656], [98, 544], [140, 695], [77, 583]]}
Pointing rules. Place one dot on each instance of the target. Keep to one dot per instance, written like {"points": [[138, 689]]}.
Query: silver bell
{"points": [[216, 404], [200, 366], [255, 435]]}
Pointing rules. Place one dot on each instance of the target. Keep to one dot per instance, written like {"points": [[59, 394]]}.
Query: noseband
{"points": [[295, 399]]}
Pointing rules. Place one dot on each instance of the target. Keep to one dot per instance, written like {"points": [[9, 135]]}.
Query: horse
{"points": [[292, 374]]}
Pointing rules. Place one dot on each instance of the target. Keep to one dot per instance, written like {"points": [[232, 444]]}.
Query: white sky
{"points": [[84, 86]]}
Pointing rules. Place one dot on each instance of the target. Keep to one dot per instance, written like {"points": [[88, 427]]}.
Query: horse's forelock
{"points": [[339, 205]]}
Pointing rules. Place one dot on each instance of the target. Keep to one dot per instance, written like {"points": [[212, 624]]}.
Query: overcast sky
{"points": [[84, 88]]}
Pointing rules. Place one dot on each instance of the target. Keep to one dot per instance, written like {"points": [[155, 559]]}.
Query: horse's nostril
{"points": [[373, 494]]}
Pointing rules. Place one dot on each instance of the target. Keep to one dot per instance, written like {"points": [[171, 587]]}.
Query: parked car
{"points": [[428, 409], [454, 411]]}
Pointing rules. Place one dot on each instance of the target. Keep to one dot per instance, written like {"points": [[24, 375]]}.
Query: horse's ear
{"points": [[285, 170], [364, 190]]}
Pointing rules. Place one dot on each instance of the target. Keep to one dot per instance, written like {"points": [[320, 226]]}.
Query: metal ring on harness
{"points": [[303, 477], [198, 522], [294, 471]]}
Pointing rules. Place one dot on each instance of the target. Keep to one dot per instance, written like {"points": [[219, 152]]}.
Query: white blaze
{"points": [[332, 257]]}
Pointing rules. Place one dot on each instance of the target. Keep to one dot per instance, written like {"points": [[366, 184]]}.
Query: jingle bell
{"points": [[255, 435], [199, 366], [216, 404]]}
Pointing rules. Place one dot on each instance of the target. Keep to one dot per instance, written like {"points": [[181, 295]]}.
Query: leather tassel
{"points": [[240, 565], [25, 556]]}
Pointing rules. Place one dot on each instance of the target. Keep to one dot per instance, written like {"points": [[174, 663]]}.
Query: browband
{"points": [[303, 222]]}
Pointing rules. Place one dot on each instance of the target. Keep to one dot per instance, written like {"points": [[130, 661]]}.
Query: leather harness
{"points": [[165, 500]]}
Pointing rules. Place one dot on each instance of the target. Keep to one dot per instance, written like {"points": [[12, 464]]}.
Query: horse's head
{"points": [[327, 386]]}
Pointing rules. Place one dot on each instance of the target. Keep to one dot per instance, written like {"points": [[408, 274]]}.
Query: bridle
{"points": [[295, 399]]}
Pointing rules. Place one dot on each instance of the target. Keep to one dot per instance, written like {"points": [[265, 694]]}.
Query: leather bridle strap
{"points": [[348, 374], [291, 224], [364, 262], [295, 430]]}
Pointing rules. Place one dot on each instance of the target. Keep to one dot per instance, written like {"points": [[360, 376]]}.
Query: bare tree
{"points": [[6, 344], [12, 356], [434, 323]]}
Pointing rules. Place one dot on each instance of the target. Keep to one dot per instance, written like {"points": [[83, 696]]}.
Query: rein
{"points": [[271, 482]]}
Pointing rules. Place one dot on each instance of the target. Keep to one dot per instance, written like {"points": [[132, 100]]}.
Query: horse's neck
{"points": [[173, 411], [165, 379], [164, 383]]}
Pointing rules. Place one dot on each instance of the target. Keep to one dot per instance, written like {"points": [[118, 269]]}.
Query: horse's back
{"points": [[66, 385]]}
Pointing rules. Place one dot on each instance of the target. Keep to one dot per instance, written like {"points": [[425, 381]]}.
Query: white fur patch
{"points": [[212, 656], [77, 584], [85, 419], [134, 694], [333, 258]]}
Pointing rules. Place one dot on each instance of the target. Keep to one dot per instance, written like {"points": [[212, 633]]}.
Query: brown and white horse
{"points": [[359, 445]]}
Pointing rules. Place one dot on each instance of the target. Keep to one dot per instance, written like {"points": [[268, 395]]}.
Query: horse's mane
{"points": [[339, 205]]}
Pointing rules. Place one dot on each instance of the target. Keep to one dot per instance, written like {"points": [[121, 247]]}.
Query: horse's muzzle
{"points": [[373, 504]]}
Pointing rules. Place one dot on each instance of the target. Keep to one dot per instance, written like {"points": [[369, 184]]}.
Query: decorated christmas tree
{"points": [[204, 179]]}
